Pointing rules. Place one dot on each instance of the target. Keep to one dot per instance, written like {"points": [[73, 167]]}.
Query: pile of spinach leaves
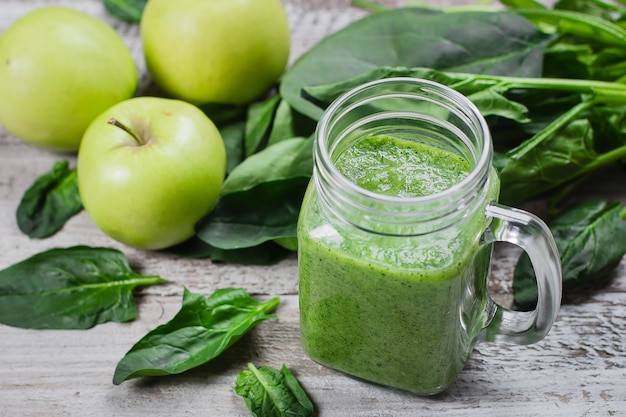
{"points": [[548, 80]]}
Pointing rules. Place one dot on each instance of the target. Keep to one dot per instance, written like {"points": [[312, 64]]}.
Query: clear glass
{"points": [[393, 289]]}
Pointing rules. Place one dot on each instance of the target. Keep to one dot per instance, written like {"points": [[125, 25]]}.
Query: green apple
{"points": [[59, 69], [148, 169], [215, 51]]}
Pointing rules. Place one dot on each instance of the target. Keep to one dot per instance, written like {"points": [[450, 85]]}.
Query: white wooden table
{"points": [[578, 370]]}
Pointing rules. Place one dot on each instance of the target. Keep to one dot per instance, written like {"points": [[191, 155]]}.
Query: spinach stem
{"points": [[605, 159], [580, 24], [601, 91], [551, 129], [370, 5]]}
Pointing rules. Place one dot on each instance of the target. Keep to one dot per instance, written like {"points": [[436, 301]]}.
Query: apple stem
{"points": [[113, 121]]}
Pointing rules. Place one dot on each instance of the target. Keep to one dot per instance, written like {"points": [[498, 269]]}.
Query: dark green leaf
{"points": [[259, 123], [288, 124], [202, 329], [269, 392], [129, 10], [267, 253], [248, 218], [591, 239], [71, 288], [529, 171], [477, 42], [50, 202], [568, 60], [261, 198], [284, 160], [224, 114], [233, 137]]}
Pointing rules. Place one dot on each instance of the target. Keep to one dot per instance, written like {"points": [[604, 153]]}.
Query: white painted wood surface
{"points": [[578, 370]]}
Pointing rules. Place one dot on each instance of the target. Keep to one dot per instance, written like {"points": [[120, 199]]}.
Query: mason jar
{"points": [[395, 239]]}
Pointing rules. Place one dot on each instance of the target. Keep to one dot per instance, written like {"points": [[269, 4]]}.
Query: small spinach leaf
{"points": [[591, 239], [129, 10], [233, 137], [269, 392], [70, 288], [203, 328], [259, 123], [287, 159], [50, 202], [288, 123]]}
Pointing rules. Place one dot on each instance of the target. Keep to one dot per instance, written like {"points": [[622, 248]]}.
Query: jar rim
{"points": [[476, 176]]}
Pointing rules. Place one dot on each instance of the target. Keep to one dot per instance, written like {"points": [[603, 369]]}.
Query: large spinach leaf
{"points": [[49, 202], [591, 239], [269, 392], [202, 329], [70, 288], [478, 42]]}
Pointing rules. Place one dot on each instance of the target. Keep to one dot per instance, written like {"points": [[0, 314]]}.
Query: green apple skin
{"points": [[215, 51], [150, 194], [59, 69]]}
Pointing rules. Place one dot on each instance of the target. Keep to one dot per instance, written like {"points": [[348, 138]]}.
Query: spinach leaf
{"points": [[267, 253], [129, 10], [224, 114], [477, 42], [591, 239], [261, 198], [562, 152], [244, 219], [288, 123], [50, 202], [233, 137], [555, 160], [202, 329], [70, 288], [287, 159], [259, 123], [269, 392]]}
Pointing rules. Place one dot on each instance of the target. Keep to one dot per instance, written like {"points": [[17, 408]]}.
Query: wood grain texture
{"points": [[578, 370]]}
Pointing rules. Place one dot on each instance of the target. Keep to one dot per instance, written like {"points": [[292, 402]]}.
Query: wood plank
{"points": [[579, 366]]}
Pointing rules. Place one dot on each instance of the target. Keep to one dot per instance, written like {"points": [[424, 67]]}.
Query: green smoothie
{"points": [[399, 311]]}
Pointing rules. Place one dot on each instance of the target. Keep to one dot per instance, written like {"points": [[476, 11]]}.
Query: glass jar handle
{"points": [[532, 235]]}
